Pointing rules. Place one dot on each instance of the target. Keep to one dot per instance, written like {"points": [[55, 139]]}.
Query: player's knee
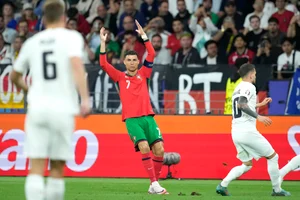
{"points": [[57, 168], [144, 147], [158, 149], [37, 166]]}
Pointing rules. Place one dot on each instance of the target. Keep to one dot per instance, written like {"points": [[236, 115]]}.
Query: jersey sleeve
{"points": [[247, 91], [112, 72], [146, 69], [22, 63], [75, 45]]}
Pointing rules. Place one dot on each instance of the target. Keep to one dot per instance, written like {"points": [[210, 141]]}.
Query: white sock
{"points": [[234, 174], [273, 170], [292, 165], [34, 187], [55, 189]]}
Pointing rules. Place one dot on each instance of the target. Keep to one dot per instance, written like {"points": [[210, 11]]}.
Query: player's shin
{"points": [[234, 174], [149, 167], [158, 163], [34, 187], [55, 189], [273, 170], [292, 165]]}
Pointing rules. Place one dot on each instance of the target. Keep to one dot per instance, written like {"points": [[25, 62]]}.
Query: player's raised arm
{"points": [[113, 73]]}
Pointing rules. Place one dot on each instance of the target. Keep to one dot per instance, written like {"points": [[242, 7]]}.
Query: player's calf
{"points": [[158, 158], [55, 188]]}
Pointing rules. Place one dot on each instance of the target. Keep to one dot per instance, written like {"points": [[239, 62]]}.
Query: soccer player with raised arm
{"points": [[137, 111], [248, 141], [54, 58]]}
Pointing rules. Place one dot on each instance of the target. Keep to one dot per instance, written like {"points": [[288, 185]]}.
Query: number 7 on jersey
{"points": [[128, 84]]}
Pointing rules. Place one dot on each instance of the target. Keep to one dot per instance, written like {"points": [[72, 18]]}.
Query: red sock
{"points": [[158, 163], [149, 167]]}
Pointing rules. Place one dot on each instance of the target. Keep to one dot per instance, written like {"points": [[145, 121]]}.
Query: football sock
{"points": [[292, 165], [149, 167], [34, 187], [234, 174], [55, 189], [273, 170], [158, 163]]}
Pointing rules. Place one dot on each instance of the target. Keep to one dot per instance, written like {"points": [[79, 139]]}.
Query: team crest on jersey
{"points": [[139, 77]]}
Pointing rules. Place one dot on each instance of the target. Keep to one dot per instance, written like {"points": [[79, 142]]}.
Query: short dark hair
{"points": [[209, 42], [157, 35], [240, 61], [287, 39], [254, 16], [273, 19], [163, 1], [53, 10], [23, 20], [245, 69], [177, 20], [97, 18], [72, 12], [21, 37], [240, 35], [130, 53]]}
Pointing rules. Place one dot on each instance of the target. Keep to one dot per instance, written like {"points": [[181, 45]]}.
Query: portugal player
{"points": [[137, 111]]}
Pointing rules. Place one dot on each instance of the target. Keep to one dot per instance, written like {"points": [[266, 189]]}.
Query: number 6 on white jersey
{"points": [[128, 83]]}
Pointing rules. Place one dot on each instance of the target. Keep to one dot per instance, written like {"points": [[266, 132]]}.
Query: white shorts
{"points": [[49, 135], [251, 145]]}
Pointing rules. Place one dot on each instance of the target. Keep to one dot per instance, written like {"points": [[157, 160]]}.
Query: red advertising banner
{"points": [[103, 149]]}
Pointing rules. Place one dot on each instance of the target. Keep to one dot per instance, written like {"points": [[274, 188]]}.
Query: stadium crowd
{"points": [[183, 32]]}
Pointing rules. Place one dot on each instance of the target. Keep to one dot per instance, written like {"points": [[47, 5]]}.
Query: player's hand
{"points": [[85, 109], [103, 35], [139, 29], [266, 101], [265, 120]]}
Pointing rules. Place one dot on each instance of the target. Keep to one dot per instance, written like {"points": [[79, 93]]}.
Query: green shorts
{"points": [[143, 129]]}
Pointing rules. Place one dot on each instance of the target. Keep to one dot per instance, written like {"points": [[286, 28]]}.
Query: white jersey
{"points": [[240, 120], [47, 56]]}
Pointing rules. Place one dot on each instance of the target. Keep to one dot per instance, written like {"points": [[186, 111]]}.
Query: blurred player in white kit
{"points": [[248, 141], [54, 59]]}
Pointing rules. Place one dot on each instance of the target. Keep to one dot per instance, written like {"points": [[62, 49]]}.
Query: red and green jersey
{"points": [[133, 90]]}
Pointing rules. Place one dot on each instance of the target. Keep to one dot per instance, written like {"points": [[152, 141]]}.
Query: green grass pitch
{"points": [[12, 188]]}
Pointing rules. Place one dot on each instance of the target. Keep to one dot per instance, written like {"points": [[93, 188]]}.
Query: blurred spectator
{"points": [[88, 7], [173, 6], [131, 43], [241, 7], [231, 84], [174, 39], [230, 11], [72, 24], [129, 9], [128, 25], [266, 53], [253, 37], [23, 29], [93, 38], [149, 8], [269, 7], [8, 14], [5, 57], [183, 14], [293, 6], [162, 55], [164, 13], [112, 48], [274, 33], [225, 36], [288, 61], [83, 25], [240, 44], [29, 16], [186, 55], [258, 11], [8, 34], [88, 54], [294, 30], [110, 20], [215, 8], [38, 7], [207, 4], [203, 29], [284, 16], [156, 26], [17, 45], [212, 57]]}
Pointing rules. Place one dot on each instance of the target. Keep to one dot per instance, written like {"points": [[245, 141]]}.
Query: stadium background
{"points": [[190, 102]]}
